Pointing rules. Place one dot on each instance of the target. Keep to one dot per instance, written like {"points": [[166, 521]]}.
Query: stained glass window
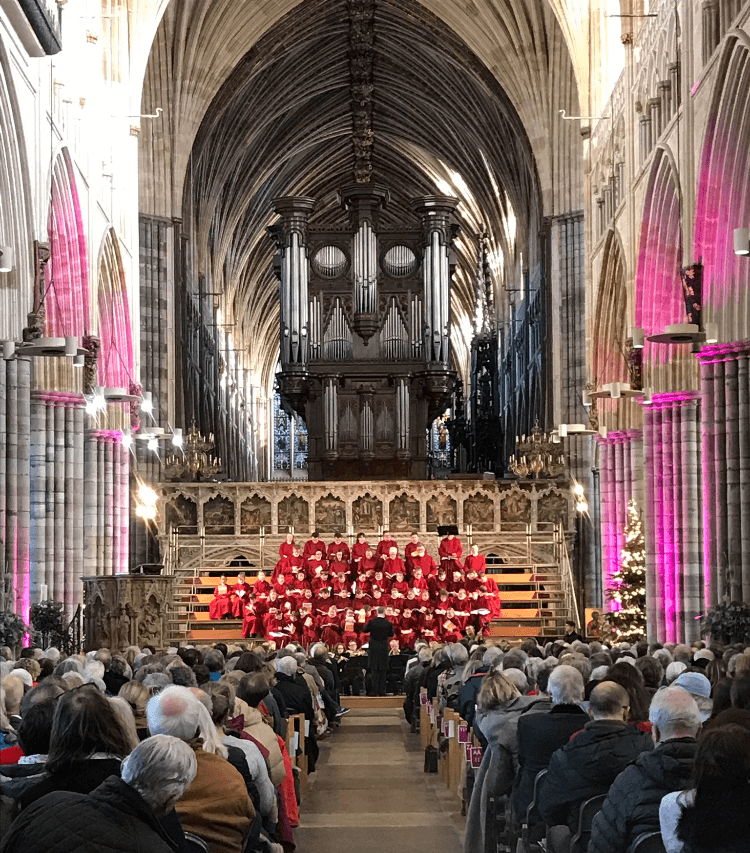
{"points": [[300, 444], [289, 440]]}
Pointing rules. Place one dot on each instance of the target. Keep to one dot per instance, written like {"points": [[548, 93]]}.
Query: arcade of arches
{"points": [[373, 241]]}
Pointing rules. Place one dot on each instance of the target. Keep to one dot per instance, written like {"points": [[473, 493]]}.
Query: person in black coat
{"points": [[540, 735], [380, 631], [298, 700], [571, 635], [591, 760], [632, 804], [122, 815]]}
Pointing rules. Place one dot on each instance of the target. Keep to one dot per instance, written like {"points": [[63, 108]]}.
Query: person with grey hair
{"points": [[298, 700], [632, 804], [411, 686], [122, 814], [540, 735]]}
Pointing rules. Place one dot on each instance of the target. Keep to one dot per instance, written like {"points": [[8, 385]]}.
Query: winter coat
{"points": [[255, 726], [80, 777], [632, 805], [499, 763], [296, 695], [467, 695], [587, 766], [539, 736], [114, 818]]}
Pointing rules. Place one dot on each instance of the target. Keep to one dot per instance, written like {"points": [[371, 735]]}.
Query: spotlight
{"points": [[9, 349], [638, 337], [153, 444], [177, 437], [79, 361], [146, 495], [147, 402], [577, 490], [712, 332], [71, 347], [127, 440], [147, 513]]}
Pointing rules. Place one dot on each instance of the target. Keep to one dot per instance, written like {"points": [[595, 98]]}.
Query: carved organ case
{"points": [[365, 344]]}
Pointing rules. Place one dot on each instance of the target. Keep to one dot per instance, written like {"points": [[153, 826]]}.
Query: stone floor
{"points": [[370, 795]]}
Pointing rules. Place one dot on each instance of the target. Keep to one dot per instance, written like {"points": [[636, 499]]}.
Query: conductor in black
{"points": [[380, 631]]}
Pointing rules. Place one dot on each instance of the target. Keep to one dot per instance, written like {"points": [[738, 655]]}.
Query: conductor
{"points": [[380, 630]]}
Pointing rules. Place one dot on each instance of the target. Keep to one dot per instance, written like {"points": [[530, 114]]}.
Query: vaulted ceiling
{"points": [[280, 123]]}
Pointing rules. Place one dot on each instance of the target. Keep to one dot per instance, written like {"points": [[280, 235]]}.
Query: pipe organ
{"points": [[365, 331]]}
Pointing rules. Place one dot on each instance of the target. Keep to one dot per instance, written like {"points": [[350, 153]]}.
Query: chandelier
{"points": [[537, 454], [193, 462]]}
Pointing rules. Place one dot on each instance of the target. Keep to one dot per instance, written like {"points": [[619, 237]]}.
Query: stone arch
{"points": [[67, 281], [658, 289], [723, 201], [16, 225], [116, 363], [611, 314]]}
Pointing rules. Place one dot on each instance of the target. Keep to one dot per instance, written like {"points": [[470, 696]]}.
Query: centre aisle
{"points": [[369, 794]]}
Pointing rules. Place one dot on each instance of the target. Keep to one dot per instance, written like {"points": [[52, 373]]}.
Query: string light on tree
{"points": [[629, 581]]}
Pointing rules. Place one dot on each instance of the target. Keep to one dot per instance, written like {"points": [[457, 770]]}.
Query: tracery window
{"points": [[289, 440]]}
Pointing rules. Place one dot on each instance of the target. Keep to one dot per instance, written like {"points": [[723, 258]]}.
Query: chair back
{"points": [[532, 815], [195, 844], [586, 814], [648, 842]]}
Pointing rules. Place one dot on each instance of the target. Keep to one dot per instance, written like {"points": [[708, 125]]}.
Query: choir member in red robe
{"points": [[399, 584], [385, 545], [368, 564], [393, 564], [449, 630], [329, 627], [425, 562], [418, 582], [471, 582], [322, 601], [365, 584], [428, 628], [359, 549], [361, 600], [240, 593], [379, 581], [475, 561], [450, 551], [349, 634], [444, 601], [410, 551], [309, 625], [339, 564], [261, 587], [425, 602], [221, 605], [461, 601], [379, 599], [316, 564], [312, 545], [342, 599], [286, 549], [456, 582], [252, 624], [408, 630], [337, 545], [438, 582]]}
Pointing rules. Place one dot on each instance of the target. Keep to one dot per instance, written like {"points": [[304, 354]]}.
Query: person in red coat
{"points": [[399, 584], [456, 582], [444, 601], [364, 583], [240, 593], [385, 545], [322, 601], [320, 581], [221, 605], [450, 551], [425, 562], [337, 545], [286, 549], [359, 549], [438, 582], [329, 627], [316, 564], [411, 549], [418, 582], [471, 581], [379, 581], [461, 601], [361, 599]]}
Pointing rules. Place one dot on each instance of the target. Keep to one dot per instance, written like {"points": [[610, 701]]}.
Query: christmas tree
{"points": [[629, 582]]}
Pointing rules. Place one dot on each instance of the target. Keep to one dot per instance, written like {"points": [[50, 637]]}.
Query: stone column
{"points": [[673, 536], [91, 505], [55, 582], [619, 466], [3, 482], [38, 472], [725, 432]]}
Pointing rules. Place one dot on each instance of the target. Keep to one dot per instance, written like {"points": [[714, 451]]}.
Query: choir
{"points": [[329, 592]]}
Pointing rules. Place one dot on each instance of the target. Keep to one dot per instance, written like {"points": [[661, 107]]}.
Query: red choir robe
{"points": [[261, 589], [410, 551], [449, 630], [221, 603], [342, 600], [240, 593], [311, 546], [286, 549], [384, 546], [358, 552], [428, 628], [427, 564], [438, 582], [329, 629], [320, 582], [309, 624], [315, 567], [420, 584], [349, 632], [477, 564], [402, 587], [335, 547], [392, 566], [368, 566], [252, 623], [450, 551]]}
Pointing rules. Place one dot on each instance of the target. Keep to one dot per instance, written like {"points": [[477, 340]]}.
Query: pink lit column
{"points": [[673, 521], [725, 381], [620, 463]]}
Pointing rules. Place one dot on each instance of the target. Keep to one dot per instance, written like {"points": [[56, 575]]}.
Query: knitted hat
{"points": [[674, 669], [695, 683]]}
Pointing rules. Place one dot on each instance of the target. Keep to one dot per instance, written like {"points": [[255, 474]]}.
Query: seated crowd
{"points": [[329, 592], [168, 751], [148, 750], [654, 740]]}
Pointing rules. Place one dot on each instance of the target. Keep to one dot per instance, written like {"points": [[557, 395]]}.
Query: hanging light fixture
{"points": [[6, 259]]}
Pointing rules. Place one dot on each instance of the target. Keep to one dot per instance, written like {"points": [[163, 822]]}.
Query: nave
{"points": [[369, 792]]}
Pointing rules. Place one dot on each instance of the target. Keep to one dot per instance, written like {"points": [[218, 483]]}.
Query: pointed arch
{"points": [[723, 201], [658, 289], [611, 313], [16, 225], [116, 365], [67, 297]]}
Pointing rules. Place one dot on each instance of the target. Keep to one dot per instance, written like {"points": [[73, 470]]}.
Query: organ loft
{"points": [[365, 330]]}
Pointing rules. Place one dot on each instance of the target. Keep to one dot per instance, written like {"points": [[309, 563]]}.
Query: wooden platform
{"points": [[372, 701]]}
